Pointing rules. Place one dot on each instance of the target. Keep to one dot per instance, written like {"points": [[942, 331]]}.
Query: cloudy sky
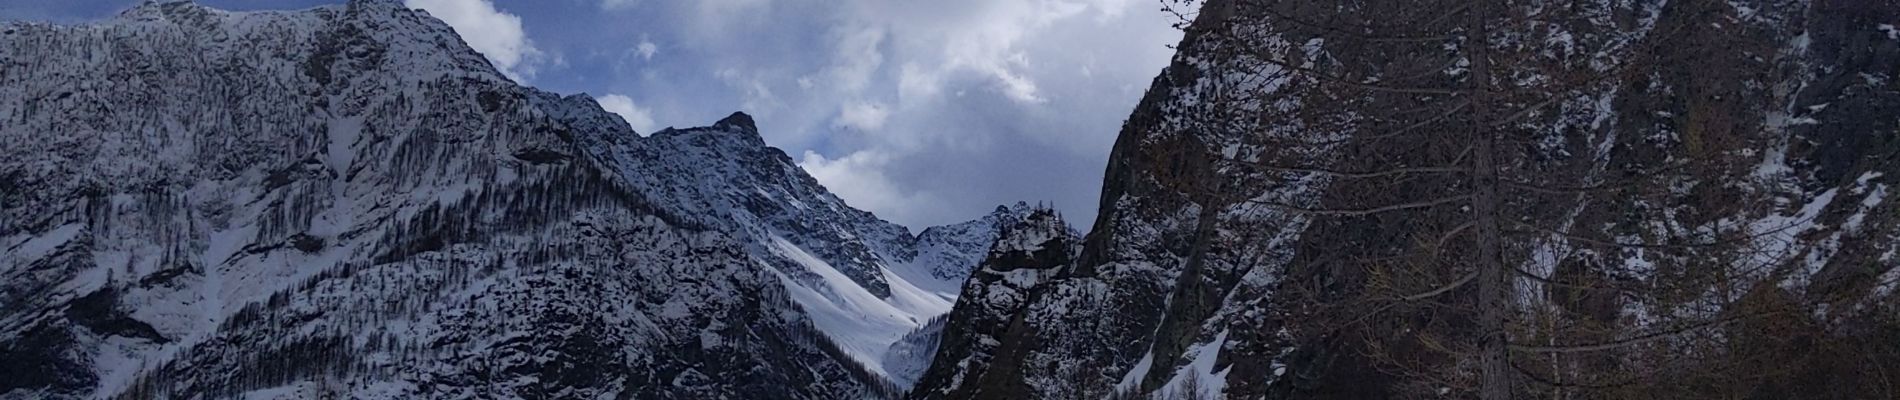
{"points": [[923, 111]]}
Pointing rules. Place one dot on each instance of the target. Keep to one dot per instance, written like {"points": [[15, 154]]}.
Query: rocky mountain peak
{"points": [[379, 197], [1018, 209], [1039, 239], [1029, 252], [157, 9], [737, 132], [738, 121], [956, 249]]}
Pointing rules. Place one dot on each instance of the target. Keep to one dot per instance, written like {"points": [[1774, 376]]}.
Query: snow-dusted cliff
{"points": [[1647, 199]]}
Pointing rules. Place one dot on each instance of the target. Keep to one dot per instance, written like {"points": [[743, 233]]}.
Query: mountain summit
{"points": [[348, 202], [738, 120]]}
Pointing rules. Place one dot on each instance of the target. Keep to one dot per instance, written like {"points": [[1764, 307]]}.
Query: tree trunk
{"points": [[1494, 366]]}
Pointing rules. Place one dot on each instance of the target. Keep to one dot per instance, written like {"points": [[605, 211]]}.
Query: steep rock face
{"points": [[953, 249], [946, 256], [347, 201], [1677, 166], [972, 358], [726, 177]]}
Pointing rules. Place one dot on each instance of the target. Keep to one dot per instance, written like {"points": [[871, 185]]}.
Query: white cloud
{"points": [[646, 48], [1016, 86], [966, 104], [859, 179], [640, 118], [990, 41], [728, 7], [758, 98], [862, 116], [915, 84], [495, 34], [617, 4], [857, 57]]}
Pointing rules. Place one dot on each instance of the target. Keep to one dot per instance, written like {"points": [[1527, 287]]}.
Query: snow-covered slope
{"points": [[866, 282], [347, 201]]}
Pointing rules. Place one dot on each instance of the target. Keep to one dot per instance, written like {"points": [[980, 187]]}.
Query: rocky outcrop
{"points": [[1290, 211], [956, 248], [972, 358]]}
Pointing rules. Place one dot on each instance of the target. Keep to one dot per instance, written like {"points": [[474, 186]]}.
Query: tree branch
{"points": [[1338, 80], [1565, 189], [1349, 174], [1368, 211], [1555, 383], [1453, 233], [1526, 112], [1401, 131], [1334, 28], [1631, 341], [1443, 289]]}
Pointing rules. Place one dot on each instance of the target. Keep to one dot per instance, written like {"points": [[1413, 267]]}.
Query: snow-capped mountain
{"points": [[1695, 204], [347, 201], [949, 250]]}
